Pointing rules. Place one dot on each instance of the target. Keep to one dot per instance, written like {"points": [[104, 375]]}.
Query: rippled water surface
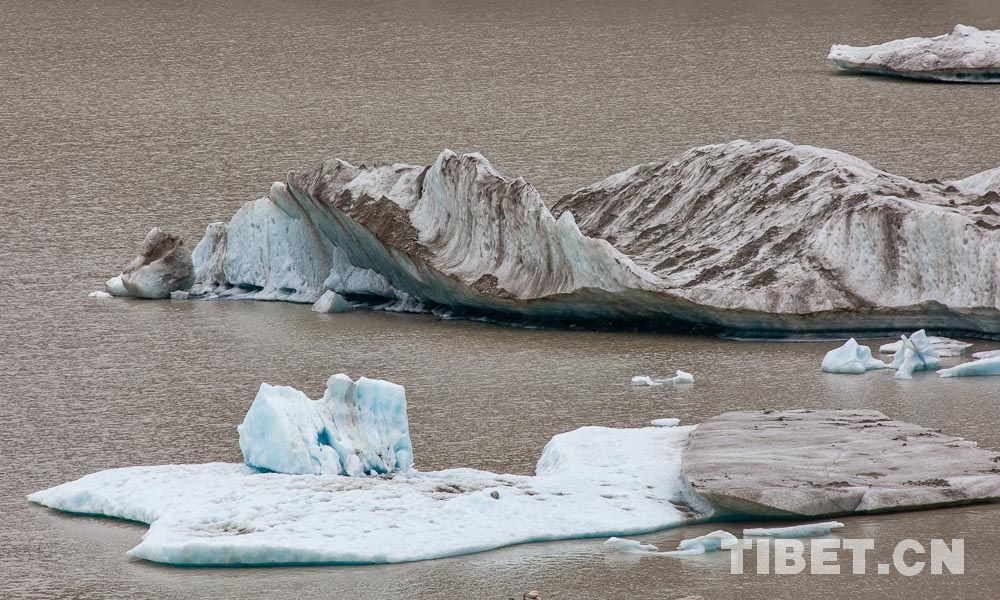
{"points": [[117, 116]]}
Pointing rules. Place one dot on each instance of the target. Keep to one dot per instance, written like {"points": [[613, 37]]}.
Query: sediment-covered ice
{"points": [[983, 366], [966, 54], [915, 353], [331, 302], [942, 345], [356, 428], [759, 237], [162, 266], [795, 531], [591, 482], [851, 358]]}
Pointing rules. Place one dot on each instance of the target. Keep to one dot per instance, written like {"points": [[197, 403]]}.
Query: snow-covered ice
{"points": [[591, 482], [966, 54], [915, 354], [681, 377], [710, 542], [356, 428], [942, 345], [851, 358], [331, 302], [795, 531], [99, 294], [983, 366], [669, 422]]}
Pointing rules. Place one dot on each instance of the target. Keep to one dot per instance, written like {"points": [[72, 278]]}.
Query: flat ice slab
{"points": [[795, 531], [983, 366], [833, 462], [966, 54], [591, 482], [942, 345]]}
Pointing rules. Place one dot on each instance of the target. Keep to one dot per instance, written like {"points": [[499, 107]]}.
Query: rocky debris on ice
{"points": [[833, 462], [985, 354], [795, 531], [668, 422], [764, 237], [356, 428], [681, 377], [331, 302], [99, 294], [851, 358], [915, 353], [594, 481], [942, 345], [162, 266], [983, 366], [966, 54]]}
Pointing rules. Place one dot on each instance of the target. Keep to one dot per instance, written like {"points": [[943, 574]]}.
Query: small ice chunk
{"points": [[665, 422], [915, 354], [709, 542], [644, 380], [986, 354], [356, 428], [851, 358], [99, 294], [179, 295], [942, 345], [331, 302], [983, 366], [116, 287], [626, 545], [683, 377], [163, 266], [796, 531]]}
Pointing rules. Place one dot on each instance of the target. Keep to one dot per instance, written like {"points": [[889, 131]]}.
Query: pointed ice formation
{"points": [[851, 358], [915, 354], [966, 54]]}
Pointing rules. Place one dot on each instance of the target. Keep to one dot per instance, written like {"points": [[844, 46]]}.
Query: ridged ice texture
{"points": [[966, 54], [765, 237], [356, 428], [786, 229], [591, 482]]}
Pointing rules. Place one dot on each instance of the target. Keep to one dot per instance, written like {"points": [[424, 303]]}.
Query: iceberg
{"points": [[851, 358], [795, 531], [829, 244], [356, 428], [942, 345], [591, 482], [710, 542], [983, 366], [986, 354], [966, 54], [626, 545], [681, 377], [162, 266], [669, 422], [914, 354], [331, 302]]}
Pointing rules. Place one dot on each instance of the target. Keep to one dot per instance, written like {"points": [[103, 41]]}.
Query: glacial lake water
{"points": [[118, 116]]}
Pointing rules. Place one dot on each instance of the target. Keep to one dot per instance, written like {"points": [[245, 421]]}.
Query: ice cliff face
{"points": [[765, 237], [966, 54]]}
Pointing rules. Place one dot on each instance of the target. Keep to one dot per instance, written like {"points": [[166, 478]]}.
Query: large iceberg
{"points": [[966, 54], [983, 366], [591, 482], [915, 353], [356, 428], [162, 266], [851, 358], [761, 237]]}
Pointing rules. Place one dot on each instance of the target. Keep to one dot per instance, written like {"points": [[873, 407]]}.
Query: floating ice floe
{"points": [[983, 366], [591, 482], [625, 545], [796, 531], [681, 377], [331, 302], [99, 294], [162, 266], [669, 422], [851, 358], [986, 354], [966, 54], [915, 354], [356, 428], [710, 542], [942, 345]]}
